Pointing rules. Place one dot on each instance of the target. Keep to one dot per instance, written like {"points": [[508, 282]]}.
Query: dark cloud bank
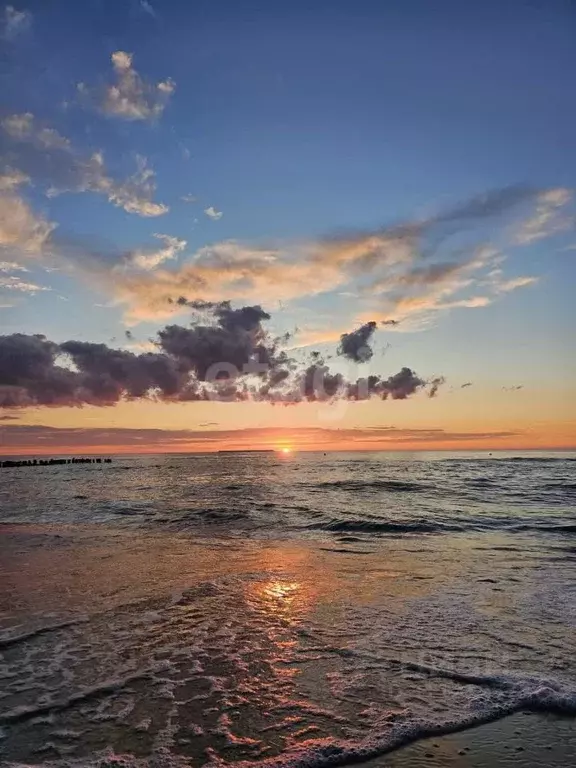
{"points": [[225, 354]]}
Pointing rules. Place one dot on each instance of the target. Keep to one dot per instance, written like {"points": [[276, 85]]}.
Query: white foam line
{"points": [[328, 753], [108, 686], [7, 641]]}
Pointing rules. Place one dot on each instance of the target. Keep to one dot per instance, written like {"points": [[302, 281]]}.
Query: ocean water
{"points": [[299, 610]]}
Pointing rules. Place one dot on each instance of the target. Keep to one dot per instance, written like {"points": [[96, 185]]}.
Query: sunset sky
{"points": [[410, 164]]}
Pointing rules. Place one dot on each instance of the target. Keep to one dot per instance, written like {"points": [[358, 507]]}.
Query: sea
{"points": [[299, 610]]}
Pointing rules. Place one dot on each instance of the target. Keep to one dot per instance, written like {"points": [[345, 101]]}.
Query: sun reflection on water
{"points": [[282, 590], [279, 598]]}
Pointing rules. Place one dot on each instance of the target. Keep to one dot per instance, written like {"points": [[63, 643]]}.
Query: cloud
{"points": [[516, 282], [11, 179], [433, 274], [356, 344], [133, 195], [147, 8], [47, 157], [435, 385], [14, 283], [224, 269], [150, 259], [189, 199], [11, 266], [513, 388], [409, 271], [15, 23], [23, 127], [212, 213], [229, 356], [404, 274], [131, 97], [20, 229], [466, 384], [546, 220], [39, 438]]}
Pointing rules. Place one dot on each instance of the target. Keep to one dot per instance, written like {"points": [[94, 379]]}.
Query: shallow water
{"points": [[305, 610]]}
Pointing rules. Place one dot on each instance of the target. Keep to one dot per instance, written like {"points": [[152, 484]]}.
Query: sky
{"points": [[325, 225]]}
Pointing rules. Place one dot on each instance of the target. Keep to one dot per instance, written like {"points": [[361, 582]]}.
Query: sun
{"points": [[285, 450]]}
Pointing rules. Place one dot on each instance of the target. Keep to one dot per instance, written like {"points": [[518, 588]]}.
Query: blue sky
{"points": [[293, 126]]}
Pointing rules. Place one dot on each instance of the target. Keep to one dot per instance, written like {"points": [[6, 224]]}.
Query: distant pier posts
{"points": [[6, 463]]}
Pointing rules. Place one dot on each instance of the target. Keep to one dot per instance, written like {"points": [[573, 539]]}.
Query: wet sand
{"points": [[520, 741]]}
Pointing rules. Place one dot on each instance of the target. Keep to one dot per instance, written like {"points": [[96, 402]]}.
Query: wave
{"points": [[507, 459], [546, 527], [382, 485], [481, 482], [211, 516], [541, 459], [28, 712], [9, 640], [384, 526], [511, 696], [568, 488], [456, 525]]}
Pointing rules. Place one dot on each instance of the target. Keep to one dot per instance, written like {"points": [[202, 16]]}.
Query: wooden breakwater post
{"points": [[7, 463]]}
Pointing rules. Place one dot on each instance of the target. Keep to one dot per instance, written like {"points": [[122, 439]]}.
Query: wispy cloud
{"points": [[45, 156], [516, 282], [14, 283], [24, 127], [227, 269], [212, 213], [11, 179], [22, 230], [406, 273], [152, 258], [11, 283], [547, 219], [130, 97], [14, 22], [147, 8], [29, 437], [11, 266]]}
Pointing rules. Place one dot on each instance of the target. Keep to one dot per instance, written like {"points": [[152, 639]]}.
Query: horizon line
{"points": [[89, 451]]}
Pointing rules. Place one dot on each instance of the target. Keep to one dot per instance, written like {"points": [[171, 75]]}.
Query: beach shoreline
{"points": [[523, 740], [282, 609]]}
